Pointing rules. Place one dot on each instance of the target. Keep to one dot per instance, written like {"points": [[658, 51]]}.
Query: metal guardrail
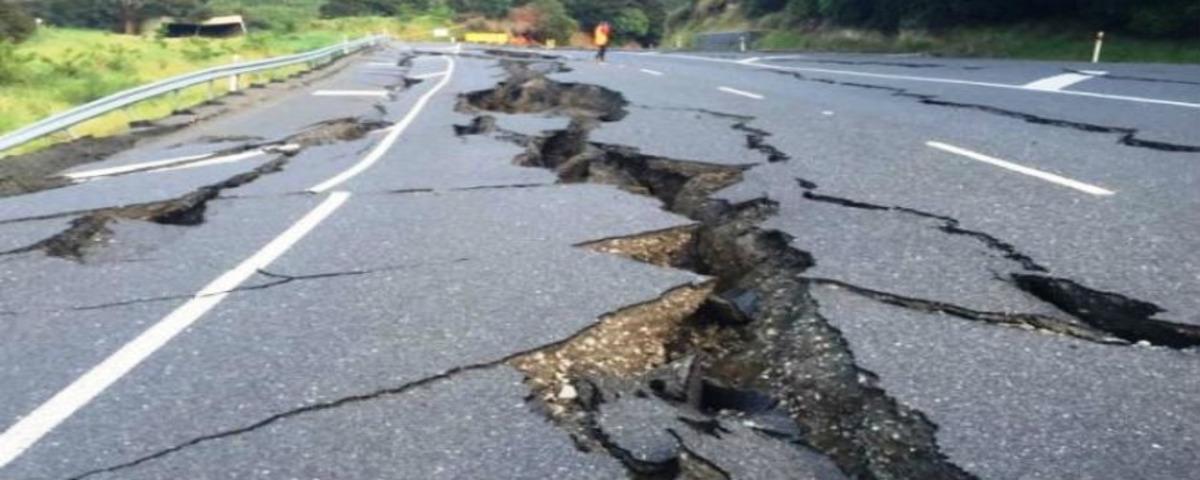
{"points": [[65, 120], [727, 41]]}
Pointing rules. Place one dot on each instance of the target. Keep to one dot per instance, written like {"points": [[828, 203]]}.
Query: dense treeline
{"points": [[539, 20], [15, 24], [1160, 18], [121, 15]]}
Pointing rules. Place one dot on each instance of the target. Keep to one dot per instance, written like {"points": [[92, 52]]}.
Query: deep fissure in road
{"points": [[1096, 315], [777, 365]]}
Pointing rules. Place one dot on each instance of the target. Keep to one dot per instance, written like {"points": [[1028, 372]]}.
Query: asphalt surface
{"points": [[367, 333]]}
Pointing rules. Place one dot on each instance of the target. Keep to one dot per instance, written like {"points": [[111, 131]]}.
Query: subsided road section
{"points": [[547, 267]]}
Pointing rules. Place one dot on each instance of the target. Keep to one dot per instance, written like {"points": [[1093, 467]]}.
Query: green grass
{"points": [[1039, 42], [61, 68]]}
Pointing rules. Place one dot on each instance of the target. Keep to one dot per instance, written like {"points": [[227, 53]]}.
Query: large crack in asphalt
{"points": [[349, 400], [757, 346], [1097, 315], [1126, 135], [759, 334]]}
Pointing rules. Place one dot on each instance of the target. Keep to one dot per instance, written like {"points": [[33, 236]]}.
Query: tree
{"points": [[487, 8], [544, 20], [15, 24], [362, 8], [123, 15], [631, 23]]}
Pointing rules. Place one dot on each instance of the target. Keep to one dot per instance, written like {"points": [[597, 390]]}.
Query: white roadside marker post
{"points": [[233, 79], [742, 43], [1099, 45]]}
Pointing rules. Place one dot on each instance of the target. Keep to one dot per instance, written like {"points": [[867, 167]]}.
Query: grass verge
{"points": [[61, 68]]}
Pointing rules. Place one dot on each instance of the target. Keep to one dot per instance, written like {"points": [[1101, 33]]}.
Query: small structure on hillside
{"points": [[225, 26]]}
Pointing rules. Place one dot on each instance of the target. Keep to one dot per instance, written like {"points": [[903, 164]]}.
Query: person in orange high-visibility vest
{"points": [[603, 30]]}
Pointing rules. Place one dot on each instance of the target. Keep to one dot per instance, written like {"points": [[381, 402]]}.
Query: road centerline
{"points": [[743, 93], [31, 428], [1033, 172]]}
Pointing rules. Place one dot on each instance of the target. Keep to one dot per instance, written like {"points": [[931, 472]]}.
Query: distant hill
{"points": [[1138, 30]]}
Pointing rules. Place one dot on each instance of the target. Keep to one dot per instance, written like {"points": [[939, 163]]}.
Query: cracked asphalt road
{"points": [[360, 301]]}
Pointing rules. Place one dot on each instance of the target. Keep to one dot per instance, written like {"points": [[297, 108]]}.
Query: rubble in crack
{"points": [[91, 229], [672, 247], [755, 353], [527, 90]]}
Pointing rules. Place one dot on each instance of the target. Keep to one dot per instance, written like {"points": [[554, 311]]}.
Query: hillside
{"points": [[1152, 31]]}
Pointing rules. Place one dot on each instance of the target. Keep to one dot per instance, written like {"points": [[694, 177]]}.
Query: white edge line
{"points": [[651, 72], [1049, 177], [428, 75], [212, 161], [950, 81], [741, 92], [31, 428], [747, 61], [104, 172], [390, 139]]}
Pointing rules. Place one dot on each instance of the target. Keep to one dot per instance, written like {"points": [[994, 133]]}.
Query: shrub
{"points": [[14, 66], [15, 24]]}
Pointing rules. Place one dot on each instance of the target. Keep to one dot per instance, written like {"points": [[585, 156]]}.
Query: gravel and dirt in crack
{"points": [[729, 374]]}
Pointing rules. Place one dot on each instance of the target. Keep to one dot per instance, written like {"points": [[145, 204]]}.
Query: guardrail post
{"points": [[345, 44], [212, 90]]}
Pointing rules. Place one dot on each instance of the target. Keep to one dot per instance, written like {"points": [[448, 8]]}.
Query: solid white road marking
{"points": [[105, 172], [1058, 82], [390, 138], [740, 92], [79, 393], [212, 161], [1096, 73], [652, 72], [951, 81], [350, 93], [745, 61], [384, 64], [1049, 177], [827, 113], [428, 75]]}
